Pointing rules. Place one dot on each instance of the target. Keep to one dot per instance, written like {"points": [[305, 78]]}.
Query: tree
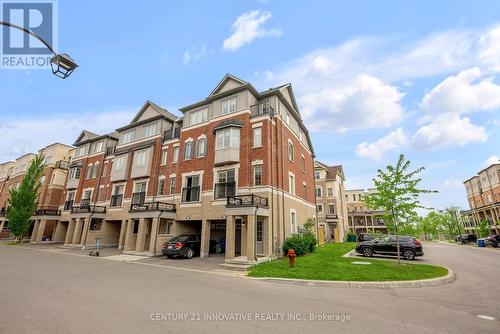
{"points": [[397, 193], [24, 199], [483, 229]]}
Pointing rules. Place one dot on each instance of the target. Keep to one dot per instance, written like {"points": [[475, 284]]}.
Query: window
{"points": [[229, 105], [105, 168], [257, 137], [202, 147], [149, 130], [136, 227], [161, 184], [80, 151], [117, 197], [95, 224], [139, 195], [86, 197], [305, 191], [317, 174], [293, 222], [48, 160], [227, 138], [42, 179], [354, 197], [119, 163], [74, 173], [140, 159], [128, 136], [95, 170], [188, 150], [164, 156], [331, 208], [257, 175], [191, 190], [172, 185], [319, 207], [290, 151], [330, 192], [303, 164], [198, 116], [175, 154], [98, 147], [89, 171], [225, 185], [291, 185], [318, 192]]}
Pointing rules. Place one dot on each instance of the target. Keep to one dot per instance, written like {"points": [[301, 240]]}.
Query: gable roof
{"points": [[332, 171], [84, 136], [224, 80], [162, 111]]}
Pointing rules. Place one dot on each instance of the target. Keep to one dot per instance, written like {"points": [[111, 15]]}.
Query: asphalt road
{"points": [[49, 292]]}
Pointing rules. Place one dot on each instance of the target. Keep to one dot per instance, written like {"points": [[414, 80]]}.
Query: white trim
{"points": [[201, 136], [137, 141], [257, 125], [245, 110], [189, 140], [172, 175], [257, 162]]}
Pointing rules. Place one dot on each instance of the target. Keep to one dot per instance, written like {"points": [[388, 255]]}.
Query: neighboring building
{"points": [[483, 196], [237, 168], [331, 205], [362, 218]]}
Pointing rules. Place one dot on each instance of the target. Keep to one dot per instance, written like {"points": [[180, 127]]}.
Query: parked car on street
{"points": [[493, 240], [409, 247], [466, 238], [185, 245]]}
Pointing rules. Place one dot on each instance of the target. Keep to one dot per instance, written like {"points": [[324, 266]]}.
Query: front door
{"points": [[260, 238]]}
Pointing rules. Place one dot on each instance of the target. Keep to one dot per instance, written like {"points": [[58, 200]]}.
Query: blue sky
{"points": [[373, 78]]}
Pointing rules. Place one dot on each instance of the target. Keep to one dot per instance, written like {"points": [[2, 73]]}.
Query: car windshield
{"points": [[180, 238]]}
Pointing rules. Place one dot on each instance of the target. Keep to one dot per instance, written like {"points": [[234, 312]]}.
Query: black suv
{"points": [[466, 238], [409, 247], [185, 245]]}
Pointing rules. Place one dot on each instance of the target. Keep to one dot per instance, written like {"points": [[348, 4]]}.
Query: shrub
{"points": [[350, 237], [301, 244]]}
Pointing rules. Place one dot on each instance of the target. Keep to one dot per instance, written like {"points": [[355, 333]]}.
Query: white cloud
{"points": [[21, 136], [186, 57], [448, 130], [190, 55], [392, 142], [489, 49], [468, 91], [442, 164], [491, 160], [451, 184], [364, 103], [248, 27]]}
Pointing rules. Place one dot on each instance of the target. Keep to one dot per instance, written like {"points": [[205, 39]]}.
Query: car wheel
{"points": [[189, 253], [170, 256], [367, 251], [465, 242], [408, 254]]}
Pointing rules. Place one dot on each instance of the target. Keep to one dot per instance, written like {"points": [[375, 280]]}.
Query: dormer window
{"points": [[198, 116], [98, 147], [149, 130], [128, 136], [80, 151], [229, 105]]}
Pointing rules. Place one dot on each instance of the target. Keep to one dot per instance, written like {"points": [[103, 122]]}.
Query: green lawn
{"points": [[327, 263]]}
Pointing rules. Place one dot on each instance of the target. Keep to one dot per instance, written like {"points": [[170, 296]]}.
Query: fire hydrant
{"points": [[291, 258]]}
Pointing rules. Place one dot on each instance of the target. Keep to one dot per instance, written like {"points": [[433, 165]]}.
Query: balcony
{"points": [[224, 189], [246, 201], [87, 208], [190, 194], [62, 164], [331, 216], [172, 134], [47, 212], [139, 197], [68, 205], [260, 109], [116, 200], [153, 206]]}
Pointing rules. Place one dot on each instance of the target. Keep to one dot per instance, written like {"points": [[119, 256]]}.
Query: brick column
{"points": [[250, 237], [78, 231], [141, 236], [86, 225], [205, 238], [153, 242], [129, 242], [41, 229], [35, 231], [123, 230], [230, 232], [69, 233]]}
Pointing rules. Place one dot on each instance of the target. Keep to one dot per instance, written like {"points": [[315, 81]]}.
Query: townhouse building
{"points": [[483, 196], [331, 204], [363, 219], [236, 168]]}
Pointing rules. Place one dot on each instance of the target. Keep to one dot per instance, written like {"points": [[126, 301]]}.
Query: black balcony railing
{"points": [[191, 194], [139, 198], [110, 150], [153, 206], [68, 205], [246, 200], [62, 164], [172, 134], [88, 209], [331, 216], [116, 200], [224, 190], [47, 212], [262, 108]]}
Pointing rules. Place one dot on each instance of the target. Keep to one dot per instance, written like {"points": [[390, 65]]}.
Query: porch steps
{"points": [[236, 266]]}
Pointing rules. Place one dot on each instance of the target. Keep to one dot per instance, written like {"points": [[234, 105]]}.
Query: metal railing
{"points": [[191, 194], [172, 134], [331, 216], [116, 200], [246, 200], [153, 206], [47, 212], [139, 198], [262, 108], [88, 208], [224, 189]]}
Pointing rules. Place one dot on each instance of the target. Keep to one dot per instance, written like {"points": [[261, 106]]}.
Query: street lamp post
{"points": [[62, 64]]}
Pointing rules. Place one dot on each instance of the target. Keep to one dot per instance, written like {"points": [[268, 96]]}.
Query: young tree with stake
{"points": [[397, 193]]}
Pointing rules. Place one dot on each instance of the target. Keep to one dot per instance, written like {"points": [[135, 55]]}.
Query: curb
{"points": [[424, 283]]}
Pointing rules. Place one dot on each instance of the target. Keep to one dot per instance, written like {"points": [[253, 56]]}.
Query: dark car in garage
{"points": [[185, 245], [409, 247]]}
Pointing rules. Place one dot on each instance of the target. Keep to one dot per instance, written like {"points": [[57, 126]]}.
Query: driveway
{"points": [[51, 292]]}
